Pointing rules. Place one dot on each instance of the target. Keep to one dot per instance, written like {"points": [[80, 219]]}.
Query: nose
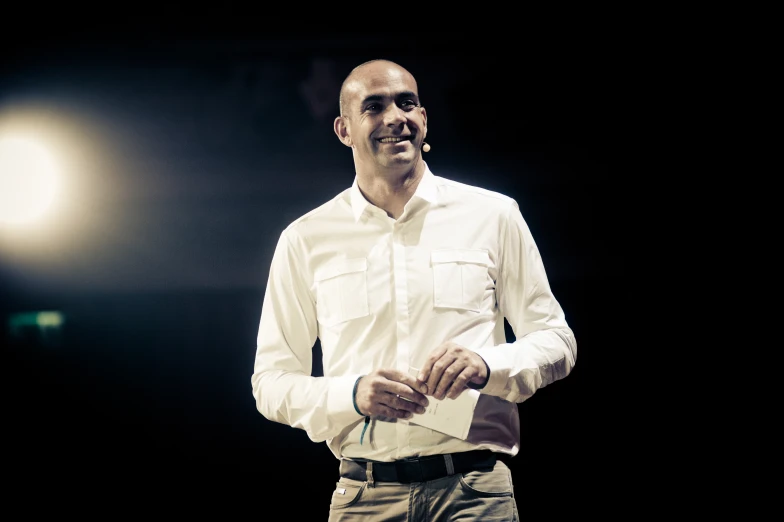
{"points": [[394, 115]]}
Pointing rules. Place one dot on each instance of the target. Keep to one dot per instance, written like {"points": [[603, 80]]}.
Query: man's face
{"points": [[385, 121]]}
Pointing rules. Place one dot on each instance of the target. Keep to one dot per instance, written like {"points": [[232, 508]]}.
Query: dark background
{"points": [[184, 158]]}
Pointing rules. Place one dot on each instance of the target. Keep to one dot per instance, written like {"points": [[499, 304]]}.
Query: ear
{"points": [[424, 120], [341, 129]]}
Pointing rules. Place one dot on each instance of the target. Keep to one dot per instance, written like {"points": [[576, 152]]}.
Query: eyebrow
{"points": [[379, 97]]}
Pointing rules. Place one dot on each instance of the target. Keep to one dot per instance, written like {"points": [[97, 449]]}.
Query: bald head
{"points": [[361, 71]]}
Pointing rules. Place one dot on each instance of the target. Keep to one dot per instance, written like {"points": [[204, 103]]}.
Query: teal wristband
{"points": [[354, 395]]}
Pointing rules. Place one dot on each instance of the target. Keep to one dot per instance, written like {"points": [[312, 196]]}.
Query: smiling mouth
{"points": [[398, 139]]}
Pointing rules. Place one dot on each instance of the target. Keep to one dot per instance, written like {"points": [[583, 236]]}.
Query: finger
{"points": [[394, 383], [403, 378], [460, 383], [402, 403], [408, 391], [405, 385], [388, 411], [393, 405], [427, 366], [439, 381], [413, 397], [453, 378]]}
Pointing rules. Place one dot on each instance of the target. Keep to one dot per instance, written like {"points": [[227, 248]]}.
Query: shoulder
{"points": [[314, 221], [452, 191]]}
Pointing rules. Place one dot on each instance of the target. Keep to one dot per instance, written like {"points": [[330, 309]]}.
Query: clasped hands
{"points": [[446, 372]]}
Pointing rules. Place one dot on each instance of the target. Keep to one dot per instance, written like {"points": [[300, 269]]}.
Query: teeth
{"points": [[392, 140]]}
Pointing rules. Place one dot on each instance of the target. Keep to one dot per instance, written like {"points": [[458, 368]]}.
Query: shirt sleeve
{"points": [[282, 384], [545, 348]]}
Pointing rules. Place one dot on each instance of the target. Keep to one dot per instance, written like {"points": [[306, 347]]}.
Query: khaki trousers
{"points": [[477, 495]]}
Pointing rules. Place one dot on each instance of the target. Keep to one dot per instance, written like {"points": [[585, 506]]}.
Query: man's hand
{"points": [[390, 393], [450, 368]]}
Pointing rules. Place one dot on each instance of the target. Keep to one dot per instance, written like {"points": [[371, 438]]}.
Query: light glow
{"points": [[29, 180]]}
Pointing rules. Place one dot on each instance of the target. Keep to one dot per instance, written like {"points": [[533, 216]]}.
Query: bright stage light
{"points": [[29, 180]]}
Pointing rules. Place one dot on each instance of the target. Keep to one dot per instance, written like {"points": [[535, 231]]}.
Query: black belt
{"points": [[418, 469]]}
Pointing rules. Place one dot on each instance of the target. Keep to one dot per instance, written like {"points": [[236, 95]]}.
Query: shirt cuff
{"points": [[341, 400], [495, 361]]}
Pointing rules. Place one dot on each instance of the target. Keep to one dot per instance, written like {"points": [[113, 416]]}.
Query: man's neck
{"points": [[390, 191]]}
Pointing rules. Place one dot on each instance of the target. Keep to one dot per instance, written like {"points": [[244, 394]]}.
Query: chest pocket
{"points": [[459, 278], [341, 291]]}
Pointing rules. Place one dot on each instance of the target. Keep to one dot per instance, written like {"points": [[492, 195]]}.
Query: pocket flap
{"points": [[476, 257], [340, 267]]}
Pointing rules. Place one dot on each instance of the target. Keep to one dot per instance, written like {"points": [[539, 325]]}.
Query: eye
{"points": [[373, 107], [407, 105]]}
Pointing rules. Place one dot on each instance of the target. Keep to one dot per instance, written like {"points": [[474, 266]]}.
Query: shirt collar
{"points": [[426, 190]]}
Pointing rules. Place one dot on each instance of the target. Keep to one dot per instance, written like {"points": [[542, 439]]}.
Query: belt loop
{"points": [[370, 481], [450, 467]]}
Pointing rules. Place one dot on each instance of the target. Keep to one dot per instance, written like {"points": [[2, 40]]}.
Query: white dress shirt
{"points": [[383, 293]]}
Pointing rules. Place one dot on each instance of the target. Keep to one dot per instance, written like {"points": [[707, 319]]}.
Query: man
{"points": [[405, 278]]}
